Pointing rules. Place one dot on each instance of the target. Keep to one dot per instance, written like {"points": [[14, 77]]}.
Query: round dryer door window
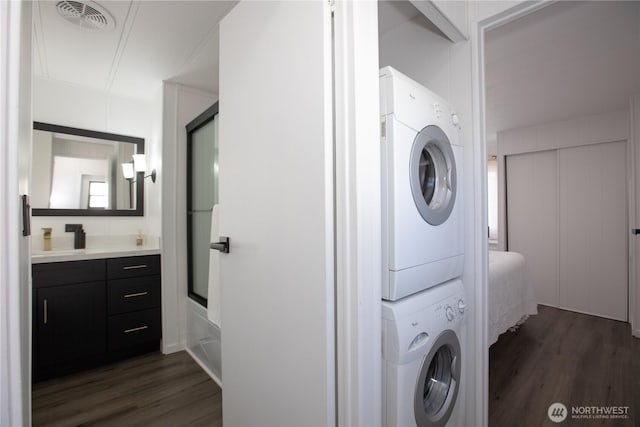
{"points": [[437, 386], [433, 175]]}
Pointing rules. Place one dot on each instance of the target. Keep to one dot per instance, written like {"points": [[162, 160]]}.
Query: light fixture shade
{"points": [[127, 170], [139, 163]]}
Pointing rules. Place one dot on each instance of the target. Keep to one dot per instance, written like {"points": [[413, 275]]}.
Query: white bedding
{"points": [[510, 295]]}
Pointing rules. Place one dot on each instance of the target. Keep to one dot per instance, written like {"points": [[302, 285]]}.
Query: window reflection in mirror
{"points": [[79, 172]]}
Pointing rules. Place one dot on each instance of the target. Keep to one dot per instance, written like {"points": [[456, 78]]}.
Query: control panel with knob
{"points": [[455, 120], [461, 305], [449, 313]]}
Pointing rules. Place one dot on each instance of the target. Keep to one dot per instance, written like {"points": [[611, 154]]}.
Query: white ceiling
{"points": [[152, 41], [566, 60], [392, 13]]}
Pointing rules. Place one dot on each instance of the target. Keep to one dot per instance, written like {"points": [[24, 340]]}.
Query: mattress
{"points": [[511, 297]]}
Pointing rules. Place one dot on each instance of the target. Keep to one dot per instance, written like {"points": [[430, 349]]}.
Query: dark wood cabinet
{"points": [[133, 304], [86, 313], [70, 323]]}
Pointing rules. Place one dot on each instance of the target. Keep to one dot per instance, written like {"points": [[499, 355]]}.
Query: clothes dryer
{"points": [[422, 214]]}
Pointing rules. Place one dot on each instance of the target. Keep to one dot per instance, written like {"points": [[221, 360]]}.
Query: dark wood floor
{"points": [[566, 357], [151, 390]]}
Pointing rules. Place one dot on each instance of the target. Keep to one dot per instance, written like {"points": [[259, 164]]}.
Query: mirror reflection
{"points": [[81, 172]]}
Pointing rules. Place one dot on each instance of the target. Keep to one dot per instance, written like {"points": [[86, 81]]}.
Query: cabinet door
{"points": [[70, 323]]}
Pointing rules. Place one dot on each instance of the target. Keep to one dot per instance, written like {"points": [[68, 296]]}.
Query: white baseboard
{"points": [[172, 348], [204, 368]]}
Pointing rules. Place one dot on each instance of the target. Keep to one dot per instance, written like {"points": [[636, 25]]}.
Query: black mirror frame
{"points": [[138, 211]]}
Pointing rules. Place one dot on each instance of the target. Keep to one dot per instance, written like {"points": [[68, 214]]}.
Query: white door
{"points": [[532, 219], [593, 229], [15, 263], [276, 180]]}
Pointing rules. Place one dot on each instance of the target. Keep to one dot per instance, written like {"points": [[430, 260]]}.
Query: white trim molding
{"points": [[633, 164], [507, 12], [358, 234]]}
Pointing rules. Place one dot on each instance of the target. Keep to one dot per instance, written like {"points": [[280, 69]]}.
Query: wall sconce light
{"points": [[139, 164], [127, 170]]}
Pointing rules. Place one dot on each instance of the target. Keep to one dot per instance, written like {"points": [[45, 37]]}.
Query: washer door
{"points": [[433, 175], [437, 386]]}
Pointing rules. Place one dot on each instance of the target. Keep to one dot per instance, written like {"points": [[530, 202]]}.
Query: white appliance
{"points": [[422, 212], [421, 358]]}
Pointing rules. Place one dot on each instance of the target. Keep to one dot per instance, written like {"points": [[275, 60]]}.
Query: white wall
{"points": [[593, 129], [68, 105], [180, 105]]}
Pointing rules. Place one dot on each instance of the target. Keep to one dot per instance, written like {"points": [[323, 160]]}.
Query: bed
{"points": [[511, 298]]}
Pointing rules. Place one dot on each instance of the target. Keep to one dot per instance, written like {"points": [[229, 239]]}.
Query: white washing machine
{"points": [[422, 359], [422, 216]]}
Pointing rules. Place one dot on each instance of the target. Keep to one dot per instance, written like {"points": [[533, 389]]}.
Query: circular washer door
{"points": [[432, 170], [437, 386]]}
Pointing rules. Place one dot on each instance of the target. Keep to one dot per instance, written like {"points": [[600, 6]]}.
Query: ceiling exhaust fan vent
{"points": [[85, 14]]}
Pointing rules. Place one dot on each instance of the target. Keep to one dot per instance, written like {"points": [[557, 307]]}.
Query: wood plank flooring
{"points": [[150, 390], [566, 357]]}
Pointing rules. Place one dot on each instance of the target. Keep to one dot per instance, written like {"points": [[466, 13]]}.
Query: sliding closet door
{"points": [[532, 219], [593, 229]]}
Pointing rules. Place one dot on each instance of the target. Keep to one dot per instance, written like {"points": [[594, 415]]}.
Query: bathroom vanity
{"points": [[91, 308]]}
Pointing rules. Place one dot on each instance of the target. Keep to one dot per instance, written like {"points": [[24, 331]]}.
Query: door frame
{"points": [[358, 238], [477, 32], [479, 326], [633, 154], [15, 262]]}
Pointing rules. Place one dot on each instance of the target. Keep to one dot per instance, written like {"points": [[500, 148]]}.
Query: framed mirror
{"points": [[79, 172]]}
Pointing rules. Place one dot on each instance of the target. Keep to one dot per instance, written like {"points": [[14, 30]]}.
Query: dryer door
{"points": [[433, 175], [437, 386]]}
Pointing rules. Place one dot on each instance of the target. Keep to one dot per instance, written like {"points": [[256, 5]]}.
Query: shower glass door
{"points": [[202, 195]]}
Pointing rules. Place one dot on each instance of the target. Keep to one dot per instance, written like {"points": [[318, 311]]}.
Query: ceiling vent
{"points": [[85, 14]]}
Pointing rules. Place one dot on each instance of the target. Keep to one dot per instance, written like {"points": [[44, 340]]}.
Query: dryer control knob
{"points": [[455, 119], [448, 311], [461, 306]]}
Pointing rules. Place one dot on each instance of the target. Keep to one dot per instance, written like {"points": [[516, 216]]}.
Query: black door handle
{"points": [[224, 245], [635, 231], [26, 215]]}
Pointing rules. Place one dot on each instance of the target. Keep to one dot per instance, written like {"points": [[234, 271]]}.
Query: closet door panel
{"points": [[593, 225], [532, 219]]}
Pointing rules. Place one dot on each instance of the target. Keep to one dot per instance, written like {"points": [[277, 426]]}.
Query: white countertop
{"points": [[38, 257]]}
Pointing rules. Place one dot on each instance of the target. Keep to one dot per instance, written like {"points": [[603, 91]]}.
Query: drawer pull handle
{"points": [[46, 312], [139, 328], [134, 267], [138, 294]]}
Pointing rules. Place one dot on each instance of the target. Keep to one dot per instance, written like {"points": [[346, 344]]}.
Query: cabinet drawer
{"points": [[138, 293], [135, 266], [134, 328], [67, 273]]}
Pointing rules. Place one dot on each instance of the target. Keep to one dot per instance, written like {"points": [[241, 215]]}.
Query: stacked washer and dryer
{"points": [[423, 254]]}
